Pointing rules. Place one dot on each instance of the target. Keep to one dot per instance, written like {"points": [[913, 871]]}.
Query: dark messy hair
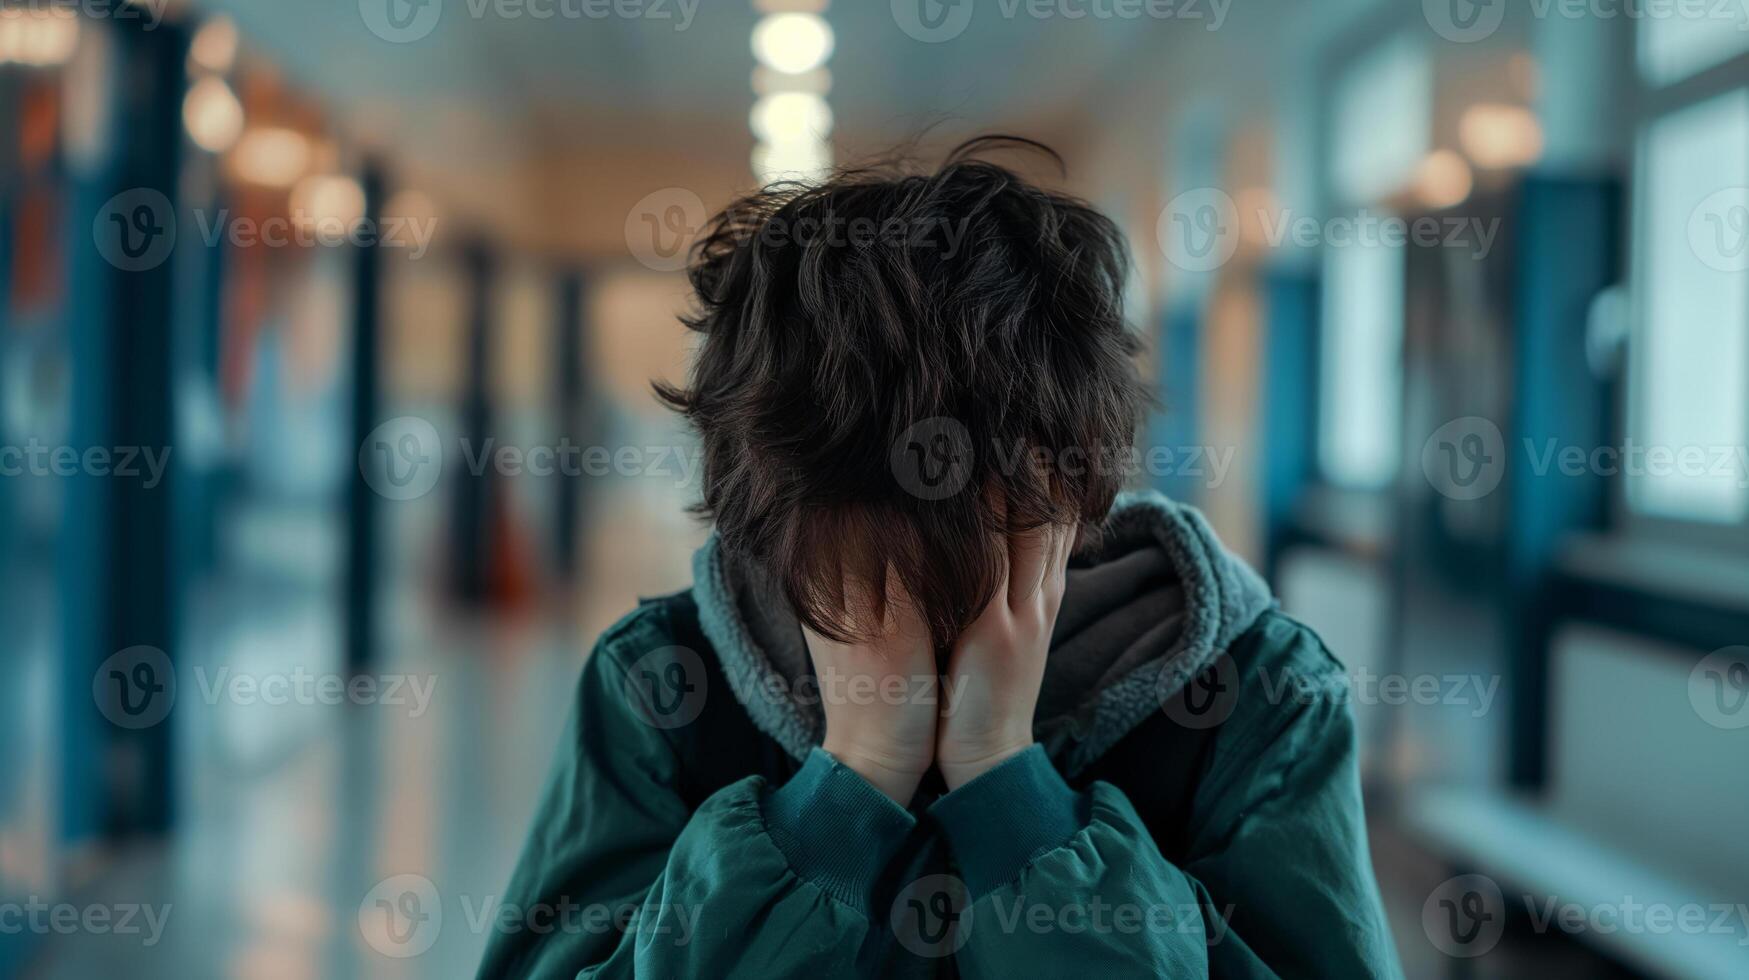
{"points": [[875, 350]]}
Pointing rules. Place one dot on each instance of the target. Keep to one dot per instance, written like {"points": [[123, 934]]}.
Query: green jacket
{"points": [[1192, 808]]}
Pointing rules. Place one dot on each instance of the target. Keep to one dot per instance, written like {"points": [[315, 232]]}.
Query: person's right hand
{"points": [[881, 700]]}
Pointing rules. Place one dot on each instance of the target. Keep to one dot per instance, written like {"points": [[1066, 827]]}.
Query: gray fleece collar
{"points": [[1155, 602]]}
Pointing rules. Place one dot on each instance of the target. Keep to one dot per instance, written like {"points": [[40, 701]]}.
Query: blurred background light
{"points": [[1443, 180], [328, 203], [792, 43], [214, 47], [212, 115], [1497, 136], [790, 117], [271, 156]]}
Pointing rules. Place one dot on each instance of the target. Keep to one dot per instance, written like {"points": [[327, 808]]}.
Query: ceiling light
{"points": [[212, 115], [1443, 180], [271, 156], [790, 117], [214, 47], [792, 43], [1497, 135], [328, 204]]}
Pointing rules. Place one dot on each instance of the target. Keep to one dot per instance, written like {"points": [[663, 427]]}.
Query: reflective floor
{"points": [[291, 813]]}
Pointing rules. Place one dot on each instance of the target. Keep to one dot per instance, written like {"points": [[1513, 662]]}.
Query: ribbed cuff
{"points": [[836, 829], [1001, 820]]}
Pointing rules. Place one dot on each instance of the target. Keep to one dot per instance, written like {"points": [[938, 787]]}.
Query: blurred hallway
{"points": [[328, 445]]}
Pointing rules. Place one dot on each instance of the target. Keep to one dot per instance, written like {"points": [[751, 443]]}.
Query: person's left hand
{"points": [[993, 676]]}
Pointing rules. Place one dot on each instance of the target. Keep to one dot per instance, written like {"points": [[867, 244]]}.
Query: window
{"points": [[1688, 410], [1382, 115], [1381, 111], [1361, 393], [1690, 374], [1675, 47]]}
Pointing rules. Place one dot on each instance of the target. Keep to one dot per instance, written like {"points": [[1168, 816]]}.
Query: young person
{"points": [[935, 705]]}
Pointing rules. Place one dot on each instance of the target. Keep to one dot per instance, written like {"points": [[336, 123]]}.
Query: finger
{"points": [[1030, 554]]}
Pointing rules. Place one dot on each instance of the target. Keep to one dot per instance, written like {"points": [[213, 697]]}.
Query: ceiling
{"points": [[508, 112]]}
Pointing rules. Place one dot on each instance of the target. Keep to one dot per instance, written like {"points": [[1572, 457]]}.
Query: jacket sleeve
{"points": [[619, 879], [1276, 881]]}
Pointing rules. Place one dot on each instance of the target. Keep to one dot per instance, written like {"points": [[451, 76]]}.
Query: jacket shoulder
{"points": [[657, 659], [653, 622], [1281, 648]]}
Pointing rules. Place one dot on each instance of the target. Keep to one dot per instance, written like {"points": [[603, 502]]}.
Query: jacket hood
{"points": [[1149, 606]]}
